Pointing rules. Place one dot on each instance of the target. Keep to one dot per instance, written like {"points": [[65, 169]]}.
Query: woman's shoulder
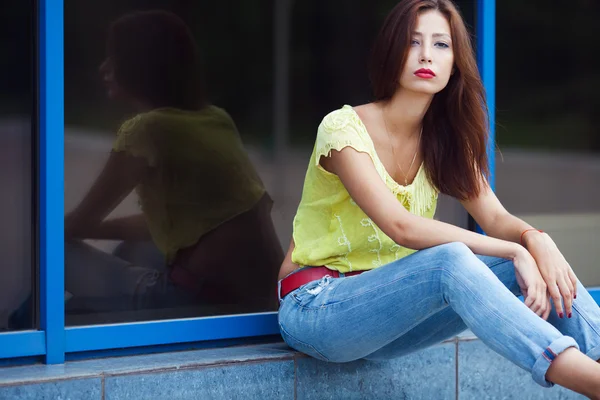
{"points": [[208, 115], [134, 123], [339, 119], [341, 128]]}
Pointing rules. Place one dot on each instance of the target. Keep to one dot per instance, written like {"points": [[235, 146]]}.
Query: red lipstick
{"points": [[425, 73]]}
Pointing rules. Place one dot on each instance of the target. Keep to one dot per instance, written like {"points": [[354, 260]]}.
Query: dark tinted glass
{"points": [[185, 210], [17, 112], [548, 171]]}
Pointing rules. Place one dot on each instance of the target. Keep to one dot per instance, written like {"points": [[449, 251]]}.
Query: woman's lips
{"points": [[425, 73]]}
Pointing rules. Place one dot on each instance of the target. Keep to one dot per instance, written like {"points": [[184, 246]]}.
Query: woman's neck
{"points": [[405, 111]]}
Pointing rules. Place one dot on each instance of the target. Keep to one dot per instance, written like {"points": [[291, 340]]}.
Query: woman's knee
{"points": [[457, 259], [455, 252]]}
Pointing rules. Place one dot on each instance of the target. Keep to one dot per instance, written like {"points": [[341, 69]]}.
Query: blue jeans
{"points": [[425, 298]]}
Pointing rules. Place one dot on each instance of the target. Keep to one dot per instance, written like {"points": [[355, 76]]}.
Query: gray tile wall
{"points": [[462, 369]]}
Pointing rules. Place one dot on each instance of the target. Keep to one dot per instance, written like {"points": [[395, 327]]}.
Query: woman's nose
{"points": [[425, 54]]}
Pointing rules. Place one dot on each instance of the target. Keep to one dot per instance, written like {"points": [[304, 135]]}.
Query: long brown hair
{"points": [[456, 125], [156, 57]]}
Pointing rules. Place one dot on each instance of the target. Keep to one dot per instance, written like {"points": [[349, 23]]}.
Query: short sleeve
{"points": [[135, 137], [340, 128]]}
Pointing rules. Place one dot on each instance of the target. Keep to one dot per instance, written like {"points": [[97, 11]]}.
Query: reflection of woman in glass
{"points": [[204, 206], [368, 201]]}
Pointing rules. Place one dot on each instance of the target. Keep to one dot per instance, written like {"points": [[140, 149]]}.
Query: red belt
{"points": [[306, 275]]}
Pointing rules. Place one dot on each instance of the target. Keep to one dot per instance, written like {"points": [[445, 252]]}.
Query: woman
{"points": [[203, 204], [368, 201]]}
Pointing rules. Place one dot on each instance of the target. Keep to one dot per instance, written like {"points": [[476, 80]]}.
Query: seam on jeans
{"points": [[498, 262], [303, 343], [591, 351], [507, 321], [504, 261], [385, 285], [585, 318], [367, 292]]}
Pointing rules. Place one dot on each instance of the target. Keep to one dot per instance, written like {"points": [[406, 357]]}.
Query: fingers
{"points": [[538, 301], [534, 304], [548, 309], [573, 280], [544, 305], [567, 295], [556, 299], [528, 299]]}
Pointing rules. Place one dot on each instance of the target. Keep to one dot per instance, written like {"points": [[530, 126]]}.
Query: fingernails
{"points": [[560, 315], [575, 296], [569, 315]]}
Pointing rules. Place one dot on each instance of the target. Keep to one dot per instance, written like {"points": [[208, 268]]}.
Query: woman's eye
{"points": [[442, 45], [414, 42]]}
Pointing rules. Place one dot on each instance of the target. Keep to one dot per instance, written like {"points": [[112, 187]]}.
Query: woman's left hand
{"points": [[556, 271]]}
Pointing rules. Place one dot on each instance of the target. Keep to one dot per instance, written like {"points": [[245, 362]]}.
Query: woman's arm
{"points": [[121, 173], [369, 191], [358, 174], [288, 266], [131, 227], [493, 218]]}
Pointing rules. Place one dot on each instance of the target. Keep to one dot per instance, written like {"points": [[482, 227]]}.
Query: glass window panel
{"points": [[167, 214], [17, 304], [548, 168], [168, 112]]}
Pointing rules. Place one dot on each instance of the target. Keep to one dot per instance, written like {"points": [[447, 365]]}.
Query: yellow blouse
{"points": [[200, 175], [329, 227]]}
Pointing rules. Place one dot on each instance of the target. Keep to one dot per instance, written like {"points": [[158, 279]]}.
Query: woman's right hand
{"points": [[532, 284]]}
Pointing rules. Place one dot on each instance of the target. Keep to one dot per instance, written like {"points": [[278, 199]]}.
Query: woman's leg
{"points": [[446, 323], [584, 326], [141, 253], [100, 281], [350, 318]]}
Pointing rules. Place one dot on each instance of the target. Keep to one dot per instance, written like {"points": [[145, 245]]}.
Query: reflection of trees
{"points": [[330, 42], [332, 49], [16, 44], [234, 37], [548, 81]]}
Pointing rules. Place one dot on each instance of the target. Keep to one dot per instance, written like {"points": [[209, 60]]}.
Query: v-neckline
{"points": [[388, 175]]}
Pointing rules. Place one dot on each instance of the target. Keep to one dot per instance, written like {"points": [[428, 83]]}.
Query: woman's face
{"points": [[430, 59], [107, 72]]}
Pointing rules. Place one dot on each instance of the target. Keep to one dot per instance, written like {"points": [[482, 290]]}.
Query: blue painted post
{"points": [[486, 58], [51, 173]]}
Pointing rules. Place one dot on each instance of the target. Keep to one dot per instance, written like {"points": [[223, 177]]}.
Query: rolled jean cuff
{"points": [[548, 355]]}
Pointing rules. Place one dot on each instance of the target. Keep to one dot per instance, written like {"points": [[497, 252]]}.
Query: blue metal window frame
{"points": [[486, 59], [54, 340], [51, 164]]}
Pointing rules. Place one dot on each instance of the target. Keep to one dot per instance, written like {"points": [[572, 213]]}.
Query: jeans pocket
{"points": [[300, 345], [313, 295]]}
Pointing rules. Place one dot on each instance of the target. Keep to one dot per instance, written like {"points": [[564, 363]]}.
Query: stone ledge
{"points": [[161, 362], [462, 367]]}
